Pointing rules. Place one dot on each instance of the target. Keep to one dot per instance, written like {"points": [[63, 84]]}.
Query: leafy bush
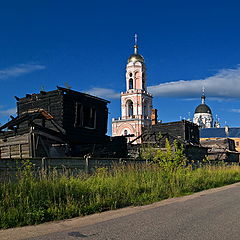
{"points": [[169, 159]]}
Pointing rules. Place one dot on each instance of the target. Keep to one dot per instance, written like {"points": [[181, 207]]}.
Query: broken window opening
{"points": [[89, 117], [85, 116], [78, 115]]}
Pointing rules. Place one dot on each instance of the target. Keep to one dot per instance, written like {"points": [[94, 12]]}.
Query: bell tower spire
{"points": [[135, 44], [203, 95]]}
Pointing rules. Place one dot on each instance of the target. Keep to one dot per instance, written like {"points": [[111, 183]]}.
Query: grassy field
{"points": [[31, 200]]}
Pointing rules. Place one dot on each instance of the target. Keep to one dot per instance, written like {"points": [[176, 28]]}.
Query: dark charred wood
{"points": [[60, 121]]}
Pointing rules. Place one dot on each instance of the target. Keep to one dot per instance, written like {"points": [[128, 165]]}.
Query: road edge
{"points": [[20, 233]]}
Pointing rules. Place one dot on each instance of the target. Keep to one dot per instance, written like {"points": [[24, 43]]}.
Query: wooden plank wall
{"points": [[62, 106], [88, 135], [182, 130], [173, 129], [15, 147], [50, 101]]}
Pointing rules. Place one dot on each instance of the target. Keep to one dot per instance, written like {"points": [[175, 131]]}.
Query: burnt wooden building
{"points": [[221, 149], [61, 122], [185, 132]]}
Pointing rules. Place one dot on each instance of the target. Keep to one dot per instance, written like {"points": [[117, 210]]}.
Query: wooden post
{"points": [[43, 164], [30, 144], [87, 157]]}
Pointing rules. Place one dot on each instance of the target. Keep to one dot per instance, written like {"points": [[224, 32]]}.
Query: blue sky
{"points": [[186, 44]]}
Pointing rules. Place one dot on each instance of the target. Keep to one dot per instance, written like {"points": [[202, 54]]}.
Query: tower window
{"points": [[130, 74], [145, 109], [129, 108], [130, 83], [143, 80], [125, 133]]}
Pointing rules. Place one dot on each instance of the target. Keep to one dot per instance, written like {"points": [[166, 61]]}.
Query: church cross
{"points": [[135, 39]]}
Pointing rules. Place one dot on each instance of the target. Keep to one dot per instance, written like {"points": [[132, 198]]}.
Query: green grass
{"points": [[31, 200]]}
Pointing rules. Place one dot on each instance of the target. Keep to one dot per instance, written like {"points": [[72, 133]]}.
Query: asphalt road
{"points": [[212, 214]]}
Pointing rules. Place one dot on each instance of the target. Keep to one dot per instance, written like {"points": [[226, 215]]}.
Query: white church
{"points": [[203, 115]]}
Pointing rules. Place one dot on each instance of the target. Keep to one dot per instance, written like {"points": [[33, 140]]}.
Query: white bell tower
{"points": [[136, 102]]}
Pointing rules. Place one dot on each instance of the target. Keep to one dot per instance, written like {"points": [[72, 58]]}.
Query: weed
{"points": [[32, 199]]}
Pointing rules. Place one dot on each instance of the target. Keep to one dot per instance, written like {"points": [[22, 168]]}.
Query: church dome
{"points": [[203, 108], [136, 58]]}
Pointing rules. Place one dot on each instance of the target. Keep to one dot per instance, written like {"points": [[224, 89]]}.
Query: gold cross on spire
{"points": [[203, 95], [135, 45], [135, 38]]}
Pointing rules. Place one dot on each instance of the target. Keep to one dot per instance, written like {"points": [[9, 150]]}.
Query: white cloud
{"points": [[104, 93], [8, 112], [224, 84], [235, 110], [19, 70]]}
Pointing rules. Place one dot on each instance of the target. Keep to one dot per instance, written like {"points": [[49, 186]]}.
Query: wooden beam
{"points": [[58, 139]]}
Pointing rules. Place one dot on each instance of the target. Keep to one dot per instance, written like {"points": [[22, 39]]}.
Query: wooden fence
{"points": [[10, 167]]}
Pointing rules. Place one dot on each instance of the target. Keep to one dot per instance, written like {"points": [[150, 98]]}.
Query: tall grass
{"points": [[33, 200]]}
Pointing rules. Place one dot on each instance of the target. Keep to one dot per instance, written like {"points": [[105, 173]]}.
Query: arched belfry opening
{"points": [[145, 109], [130, 83], [143, 81], [129, 108]]}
